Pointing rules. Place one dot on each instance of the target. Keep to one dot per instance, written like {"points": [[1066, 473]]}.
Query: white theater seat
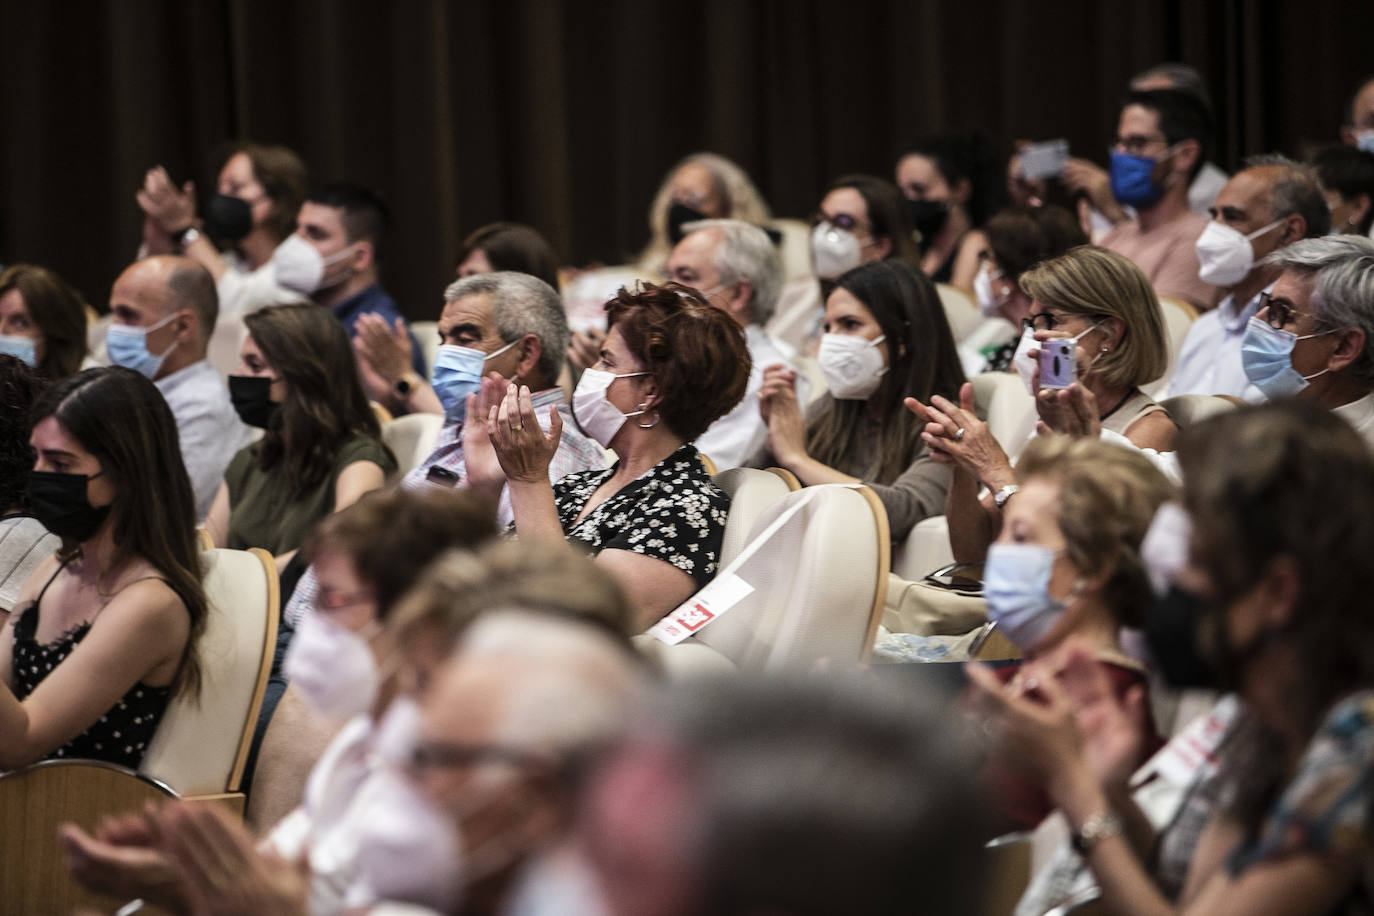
{"points": [[751, 492], [427, 333], [1178, 321], [411, 439], [960, 310]]}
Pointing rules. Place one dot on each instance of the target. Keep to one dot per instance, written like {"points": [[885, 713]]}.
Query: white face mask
{"points": [[1364, 141], [408, 849], [298, 266], [1225, 254], [1025, 366], [853, 367], [597, 416], [834, 251], [989, 303], [332, 667], [397, 733]]}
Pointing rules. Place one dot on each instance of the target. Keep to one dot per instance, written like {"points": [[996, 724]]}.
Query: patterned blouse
{"points": [[673, 512]]}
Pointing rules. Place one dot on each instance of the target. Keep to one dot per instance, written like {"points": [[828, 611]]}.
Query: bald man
{"points": [[162, 311]]}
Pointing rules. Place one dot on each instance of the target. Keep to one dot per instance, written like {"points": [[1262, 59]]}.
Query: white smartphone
{"points": [[1044, 160], [1058, 367]]}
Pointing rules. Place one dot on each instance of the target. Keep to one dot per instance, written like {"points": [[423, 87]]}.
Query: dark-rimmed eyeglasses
{"points": [[1279, 312]]}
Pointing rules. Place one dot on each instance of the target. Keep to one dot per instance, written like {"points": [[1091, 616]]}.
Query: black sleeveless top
{"points": [[124, 732]]}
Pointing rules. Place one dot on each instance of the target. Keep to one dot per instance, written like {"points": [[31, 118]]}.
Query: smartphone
{"points": [[1057, 364], [1044, 160], [961, 577]]}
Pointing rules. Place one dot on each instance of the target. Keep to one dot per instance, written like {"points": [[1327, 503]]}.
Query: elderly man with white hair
{"points": [[737, 269]]}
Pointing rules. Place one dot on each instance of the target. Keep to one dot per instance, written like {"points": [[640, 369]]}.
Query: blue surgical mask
{"points": [[1133, 181], [128, 347], [20, 348], [1266, 354], [1016, 584], [457, 374]]}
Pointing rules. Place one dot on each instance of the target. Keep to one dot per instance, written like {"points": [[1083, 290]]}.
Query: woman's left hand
{"points": [[1033, 721], [522, 447]]}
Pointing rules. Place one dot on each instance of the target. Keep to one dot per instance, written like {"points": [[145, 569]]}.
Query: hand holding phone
{"points": [[1058, 363], [1044, 160]]}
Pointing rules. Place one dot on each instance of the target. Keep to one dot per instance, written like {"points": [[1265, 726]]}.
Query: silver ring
{"points": [[959, 434]]}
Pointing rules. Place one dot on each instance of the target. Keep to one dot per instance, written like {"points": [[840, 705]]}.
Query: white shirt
{"points": [[1209, 361], [208, 426], [735, 437], [1359, 414]]}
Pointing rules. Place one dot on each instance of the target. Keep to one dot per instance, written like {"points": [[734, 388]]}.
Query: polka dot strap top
{"points": [[121, 735]]}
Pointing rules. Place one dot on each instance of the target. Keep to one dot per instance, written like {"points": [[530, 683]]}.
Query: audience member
{"points": [[670, 367], [1347, 175], [737, 797], [497, 325], [951, 184], [1358, 129], [885, 336], [508, 246], [24, 542], [735, 267], [861, 219], [258, 193], [1015, 240], [42, 321], [1273, 202], [1162, 140], [162, 310], [1274, 584], [1102, 302], [320, 450], [107, 629], [701, 186]]}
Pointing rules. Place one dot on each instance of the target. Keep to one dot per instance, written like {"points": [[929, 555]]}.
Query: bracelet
{"points": [[1095, 829]]}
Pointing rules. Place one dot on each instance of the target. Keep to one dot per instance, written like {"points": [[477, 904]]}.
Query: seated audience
{"points": [[1347, 175], [42, 321], [885, 336], [494, 326], [735, 267], [701, 186], [105, 631], [1274, 589], [1161, 142], [1065, 576], [259, 190], [320, 448], [670, 367], [162, 310], [1016, 239], [951, 185], [1273, 202], [1358, 129], [861, 219], [739, 797], [1102, 302], [24, 542], [508, 246]]}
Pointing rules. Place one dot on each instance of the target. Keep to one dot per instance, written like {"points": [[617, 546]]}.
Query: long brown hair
{"points": [[122, 419], [58, 311], [923, 361], [325, 404]]}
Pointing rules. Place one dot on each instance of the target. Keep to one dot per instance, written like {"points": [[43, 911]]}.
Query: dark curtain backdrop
{"points": [[566, 114]]}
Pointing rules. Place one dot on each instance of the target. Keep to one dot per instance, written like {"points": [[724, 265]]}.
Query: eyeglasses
{"points": [[1136, 144], [1049, 321], [839, 221], [1279, 312]]}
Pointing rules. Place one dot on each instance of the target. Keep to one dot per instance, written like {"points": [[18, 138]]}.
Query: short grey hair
{"points": [[1342, 272], [1297, 190], [746, 252], [522, 304]]}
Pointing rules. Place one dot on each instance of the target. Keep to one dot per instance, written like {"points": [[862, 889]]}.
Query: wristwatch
{"points": [[1004, 494], [185, 237], [406, 384], [1095, 829]]}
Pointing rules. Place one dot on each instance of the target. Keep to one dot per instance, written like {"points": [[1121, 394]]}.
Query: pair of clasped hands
{"points": [[957, 437]]}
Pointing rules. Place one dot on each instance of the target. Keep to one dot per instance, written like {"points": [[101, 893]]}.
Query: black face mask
{"points": [[678, 216], [228, 218], [929, 217], [59, 502], [1173, 625], [252, 397]]}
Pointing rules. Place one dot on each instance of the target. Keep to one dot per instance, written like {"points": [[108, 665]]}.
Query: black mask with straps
{"points": [[59, 501]]}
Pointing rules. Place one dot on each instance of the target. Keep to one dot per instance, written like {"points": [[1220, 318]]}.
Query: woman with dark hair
{"points": [[1347, 176], [1271, 601], [885, 334], [952, 184], [861, 219], [322, 449], [24, 542], [42, 321], [671, 365], [124, 589], [508, 246], [259, 191]]}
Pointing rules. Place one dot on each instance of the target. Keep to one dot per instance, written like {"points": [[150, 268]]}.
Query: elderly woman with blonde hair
{"points": [[1101, 302]]}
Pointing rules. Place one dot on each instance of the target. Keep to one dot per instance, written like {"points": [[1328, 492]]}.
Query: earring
{"points": [[643, 405], [1105, 350]]}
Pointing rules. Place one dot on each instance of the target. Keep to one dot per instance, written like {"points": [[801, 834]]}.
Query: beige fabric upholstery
{"points": [[1187, 409], [960, 309], [427, 333], [925, 549], [751, 493], [411, 438], [1178, 320], [685, 661], [795, 249], [201, 746], [926, 610], [797, 318], [818, 584], [1002, 400]]}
